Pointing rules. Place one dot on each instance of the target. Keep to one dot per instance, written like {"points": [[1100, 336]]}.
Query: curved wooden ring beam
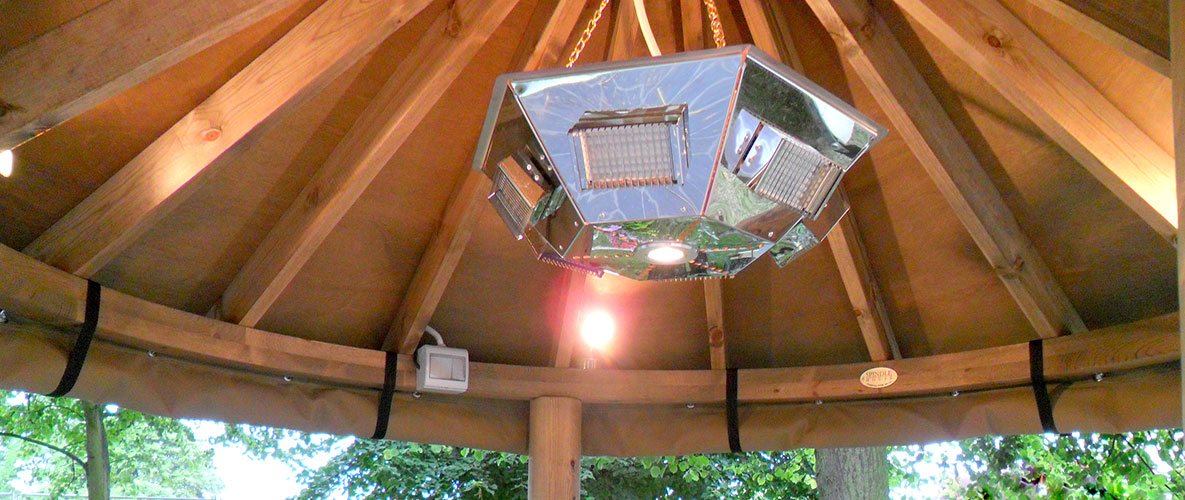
{"points": [[35, 291]]}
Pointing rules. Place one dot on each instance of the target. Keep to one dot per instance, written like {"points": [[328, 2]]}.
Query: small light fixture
{"points": [[6, 162], [667, 253], [597, 329]]}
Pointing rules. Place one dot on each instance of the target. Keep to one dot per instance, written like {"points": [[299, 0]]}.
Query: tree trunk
{"points": [[852, 473], [98, 464]]}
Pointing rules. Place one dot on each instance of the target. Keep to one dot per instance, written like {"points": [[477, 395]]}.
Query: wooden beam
{"points": [[36, 294], [576, 289], [717, 341], [553, 471], [866, 42], [772, 35], [444, 251], [626, 34], [1177, 41], [169, 170], [107, 50], [863, 291], [404, 100], [1026, 71], [691, 24], [1103, 33]]}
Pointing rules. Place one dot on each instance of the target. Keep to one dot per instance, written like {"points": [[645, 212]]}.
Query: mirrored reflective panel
{"points": [[679, 167]]}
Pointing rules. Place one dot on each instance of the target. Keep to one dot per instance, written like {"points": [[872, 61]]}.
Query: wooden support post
{"points": [[576, 290], [554, 447], [1177, 43], [714, 304]]}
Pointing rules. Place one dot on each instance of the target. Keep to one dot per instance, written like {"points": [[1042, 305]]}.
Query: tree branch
{"points": [[47, 445]]}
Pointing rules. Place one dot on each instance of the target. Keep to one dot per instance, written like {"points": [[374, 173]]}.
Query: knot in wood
{"points": [[453, 27], [211, 134], [715, 336]]}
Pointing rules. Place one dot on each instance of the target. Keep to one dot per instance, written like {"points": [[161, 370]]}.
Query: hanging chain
{"points": [[588, 31], [714, 22]]}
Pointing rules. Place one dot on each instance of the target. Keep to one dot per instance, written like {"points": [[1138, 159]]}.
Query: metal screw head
{"points": [[770, 234], [1098, 377], [954, 394], [152, 354], [690, 406], [287, 378], [818, 402], [416, 394], [3, 316]]}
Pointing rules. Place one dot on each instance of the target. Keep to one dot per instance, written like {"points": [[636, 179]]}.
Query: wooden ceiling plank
{"points": [[40, 298], [423, 76], [160, 178], [772, 35], [866, 42], [106, 51], [1177, 44], [1035, 79], [576, 290], [1103, 33], [691, 24], [444, 252], [627, 32]]}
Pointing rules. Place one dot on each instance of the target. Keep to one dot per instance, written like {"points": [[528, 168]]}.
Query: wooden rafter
{"points": [[108, 50], [307, 58], [404, 100], [627, 33], [865, 41], [691, 24], [847, 246], [41, 295], [1062, 9], [1177, 42], [444, 251], [1035, 79]]}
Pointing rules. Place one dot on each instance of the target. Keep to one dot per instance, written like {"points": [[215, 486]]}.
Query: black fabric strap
{"points": [[730, 401], [82, 344], [1040, 391], [390, 369]]}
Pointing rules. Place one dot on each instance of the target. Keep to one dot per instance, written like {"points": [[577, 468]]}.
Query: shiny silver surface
{"points": [[723, 151]]}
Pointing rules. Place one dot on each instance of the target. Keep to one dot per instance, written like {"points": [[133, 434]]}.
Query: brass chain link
{"points": [[588, 31], [714, 22]]}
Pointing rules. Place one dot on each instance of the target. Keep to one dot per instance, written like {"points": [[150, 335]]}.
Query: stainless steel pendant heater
{"points": [[677, 167]]}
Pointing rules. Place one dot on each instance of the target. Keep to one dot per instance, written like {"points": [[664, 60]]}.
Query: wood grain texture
{"points": [[444, 252], [554, 449], [691, 24], [574, 299], [717, 340], [1018, 64], [626, 38], [846, 244], [407, 97], [1104, 33], [33, 291], [107, 50], [865, 41], [1177, 24], [312, 55]]}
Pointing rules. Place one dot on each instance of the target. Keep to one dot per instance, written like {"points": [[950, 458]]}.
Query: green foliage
{"points": [[150, 456], [1067, 466]]}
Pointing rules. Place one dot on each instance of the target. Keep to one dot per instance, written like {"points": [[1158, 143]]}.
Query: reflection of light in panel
{"points": [[796, 175], [642, 147]]}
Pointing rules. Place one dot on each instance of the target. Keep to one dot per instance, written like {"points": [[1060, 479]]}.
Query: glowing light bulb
{"points": [[597, 329], [6, 163], [665, 253]]}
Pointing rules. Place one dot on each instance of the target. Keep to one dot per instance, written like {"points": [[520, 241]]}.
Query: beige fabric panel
{"points": [[1139, 400], [33, 361]]}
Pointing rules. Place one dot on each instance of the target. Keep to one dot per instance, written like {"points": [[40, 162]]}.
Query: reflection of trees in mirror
{"points": [[160, 456]]}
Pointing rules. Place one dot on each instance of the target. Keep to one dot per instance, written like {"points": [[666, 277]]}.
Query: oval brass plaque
{"points": [[879, 377]]}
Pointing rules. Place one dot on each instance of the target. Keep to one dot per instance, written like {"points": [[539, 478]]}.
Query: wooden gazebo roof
{"points": [[284, 188]]}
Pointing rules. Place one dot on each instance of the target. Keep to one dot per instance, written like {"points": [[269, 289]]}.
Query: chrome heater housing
{"points": [[716, 157]]}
